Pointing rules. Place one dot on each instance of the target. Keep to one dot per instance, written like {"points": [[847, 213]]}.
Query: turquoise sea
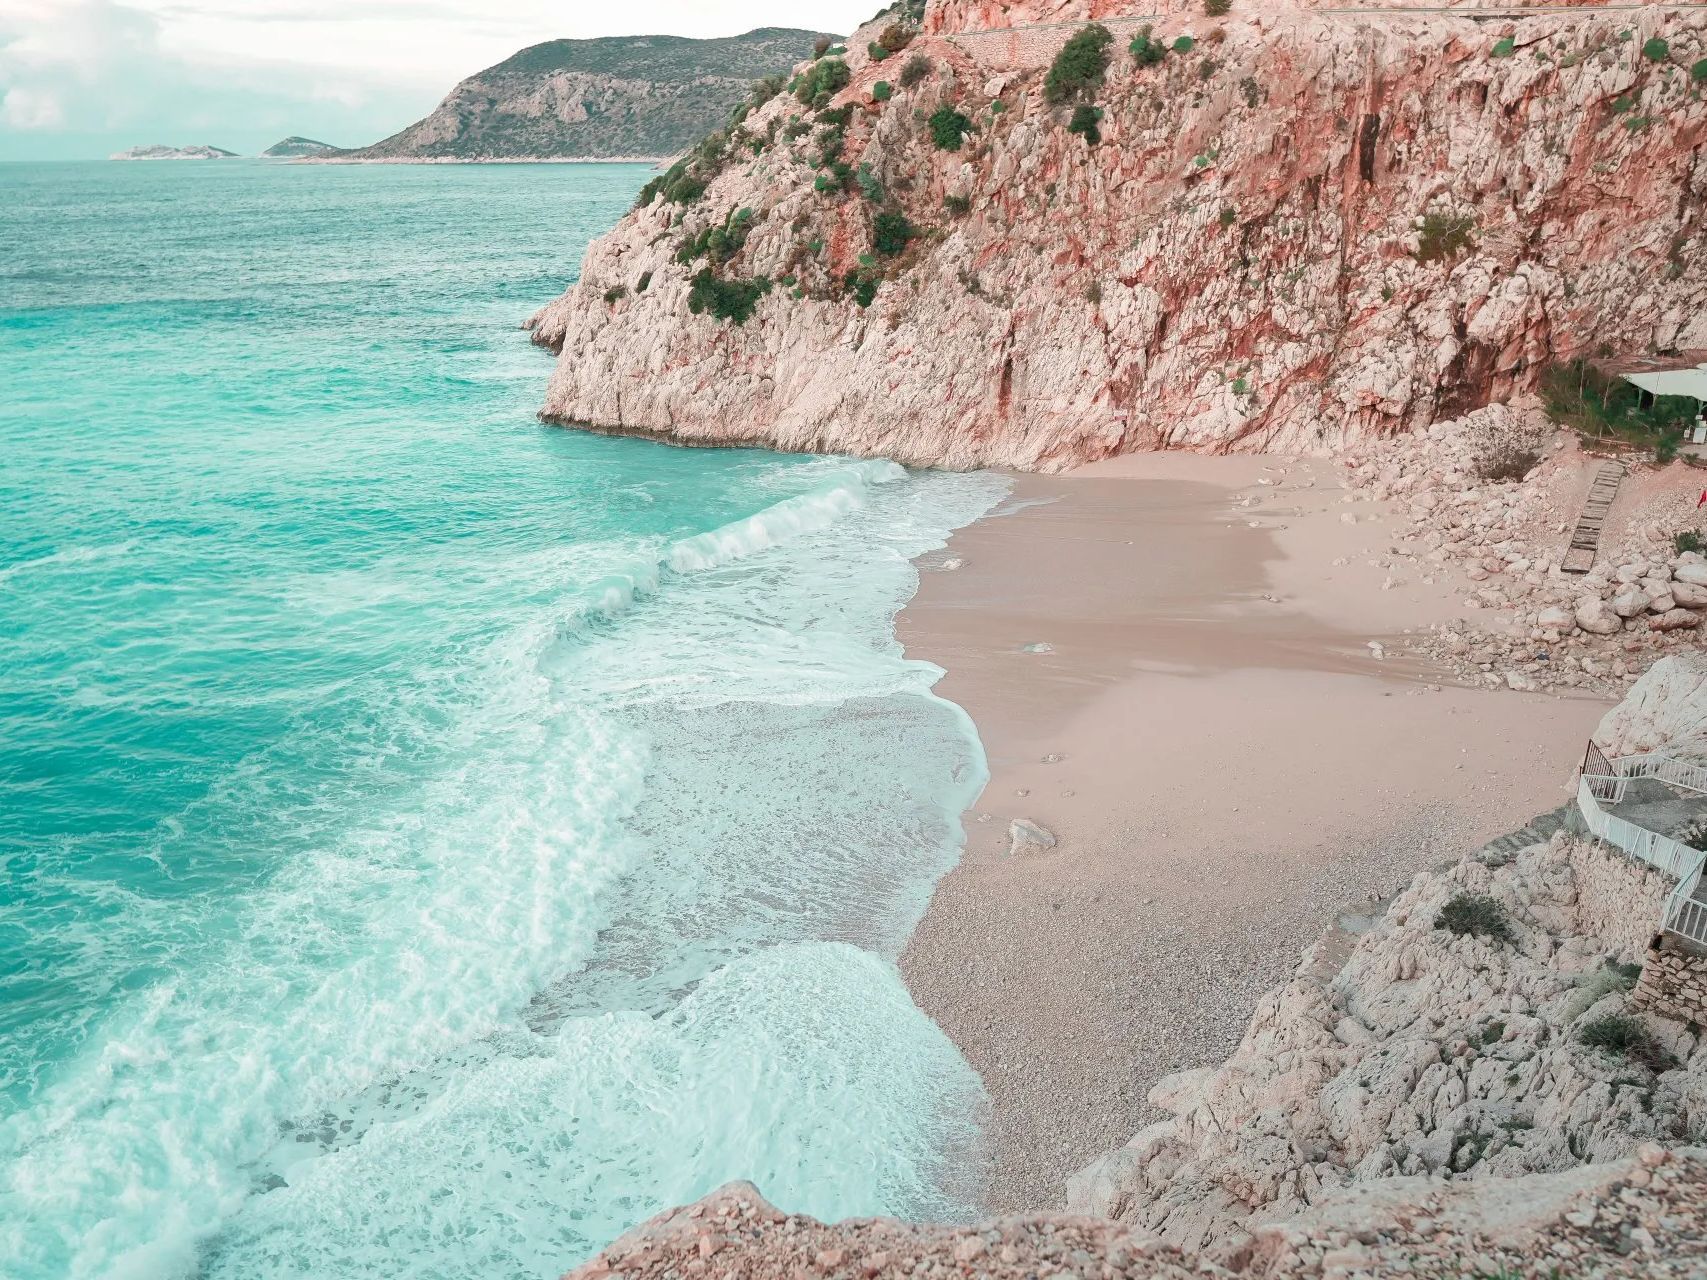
{"points": [[430, 842]]}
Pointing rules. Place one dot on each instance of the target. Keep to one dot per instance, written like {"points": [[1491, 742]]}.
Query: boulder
{"points": [[1558, 618], [1630, 602], [1594, 617], [1689, 595], [1676, 620], [1693, 573]]}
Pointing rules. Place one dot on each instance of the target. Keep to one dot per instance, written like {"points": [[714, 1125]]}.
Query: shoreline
{"points": [[1225, 760]]}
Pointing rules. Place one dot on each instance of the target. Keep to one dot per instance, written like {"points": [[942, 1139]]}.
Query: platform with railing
{"points": [[1604, 782]]}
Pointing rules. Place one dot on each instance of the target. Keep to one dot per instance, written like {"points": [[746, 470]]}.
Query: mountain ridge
{"points": [[614, 97]]}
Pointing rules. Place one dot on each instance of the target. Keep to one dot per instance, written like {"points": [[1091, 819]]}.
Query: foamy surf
{"points": [[435, 842]]}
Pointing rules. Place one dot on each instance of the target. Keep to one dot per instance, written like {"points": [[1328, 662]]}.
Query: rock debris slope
{"points": [[1299, 229]]}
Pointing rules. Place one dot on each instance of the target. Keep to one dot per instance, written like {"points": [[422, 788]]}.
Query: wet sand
{"points": [[1225, 761]]}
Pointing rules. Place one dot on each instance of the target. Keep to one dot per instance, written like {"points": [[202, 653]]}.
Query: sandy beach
{"points": [[1169, 661]]}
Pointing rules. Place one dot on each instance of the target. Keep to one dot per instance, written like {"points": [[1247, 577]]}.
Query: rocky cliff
{"points": [[620, 97], [1286, 229], [1423, 1050], [1645, 1217]]}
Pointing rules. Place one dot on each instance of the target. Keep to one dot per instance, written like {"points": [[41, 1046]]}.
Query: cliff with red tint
{"points": [[1305, 229]]}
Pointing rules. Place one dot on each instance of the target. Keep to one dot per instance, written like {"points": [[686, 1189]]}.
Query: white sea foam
{"points": [[621, 931]]}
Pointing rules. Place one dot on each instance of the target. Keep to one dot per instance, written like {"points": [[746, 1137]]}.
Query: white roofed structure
{"points": [[1673, 382]]}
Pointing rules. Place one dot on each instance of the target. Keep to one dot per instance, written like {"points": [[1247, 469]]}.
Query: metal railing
{"points": [[1660, 852], [1685, 916]]}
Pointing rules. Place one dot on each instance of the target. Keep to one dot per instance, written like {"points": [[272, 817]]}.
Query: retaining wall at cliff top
{"points": [[1240, 263]]}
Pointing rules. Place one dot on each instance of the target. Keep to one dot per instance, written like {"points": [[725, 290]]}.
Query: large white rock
{"points": [[1557, 618], [1689, 595], [1630, 602], [1595, 617], [1692, 573]]}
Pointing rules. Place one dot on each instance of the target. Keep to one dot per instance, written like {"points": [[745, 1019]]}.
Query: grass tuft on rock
{"points": [[1475, 915], [1629, 1037], [1444, 236]]}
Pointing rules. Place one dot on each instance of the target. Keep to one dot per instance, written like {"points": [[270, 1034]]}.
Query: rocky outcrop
{"points": [[1440, 1048], [1643, 1217], [624, 97], [1299, 230], [1428, 1053]]}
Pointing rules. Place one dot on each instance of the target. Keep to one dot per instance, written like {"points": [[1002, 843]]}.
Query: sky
{"points": [[80, 79]]}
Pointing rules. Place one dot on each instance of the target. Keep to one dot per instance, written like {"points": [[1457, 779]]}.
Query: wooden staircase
{"points": [[1585, 538]]}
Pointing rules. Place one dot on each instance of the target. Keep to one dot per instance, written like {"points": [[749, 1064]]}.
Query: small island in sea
{"points": [[295, 148], [158, 151]]}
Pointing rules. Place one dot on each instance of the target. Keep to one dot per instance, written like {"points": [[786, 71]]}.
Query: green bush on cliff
{"points": [[948, 128], [869, 184], [1656, 50], [876, 52], [1085, 122], [1503, 48], [1145, 50], [957, 206], [891, 233], [895, 38], [1078, 70], [1698, 72], [1217, 8], [1185, 44], [731, 300], [882, 91], [914, 72], [820, 84], [862, 283]]}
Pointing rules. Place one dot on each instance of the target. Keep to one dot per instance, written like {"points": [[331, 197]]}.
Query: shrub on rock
{"points": [[948, 128], [1444, 236], [731, 300], [1085, 122], [1145, 50], [891, 233], [1629, 1037], [1475, 915], [916, 69], [1078, 70]]}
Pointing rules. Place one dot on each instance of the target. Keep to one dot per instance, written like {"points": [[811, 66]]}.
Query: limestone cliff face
{"points": [[1240, 263]]}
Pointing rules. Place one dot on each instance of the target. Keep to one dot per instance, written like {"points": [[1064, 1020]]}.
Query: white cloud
{"points": [[31, 109]]}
